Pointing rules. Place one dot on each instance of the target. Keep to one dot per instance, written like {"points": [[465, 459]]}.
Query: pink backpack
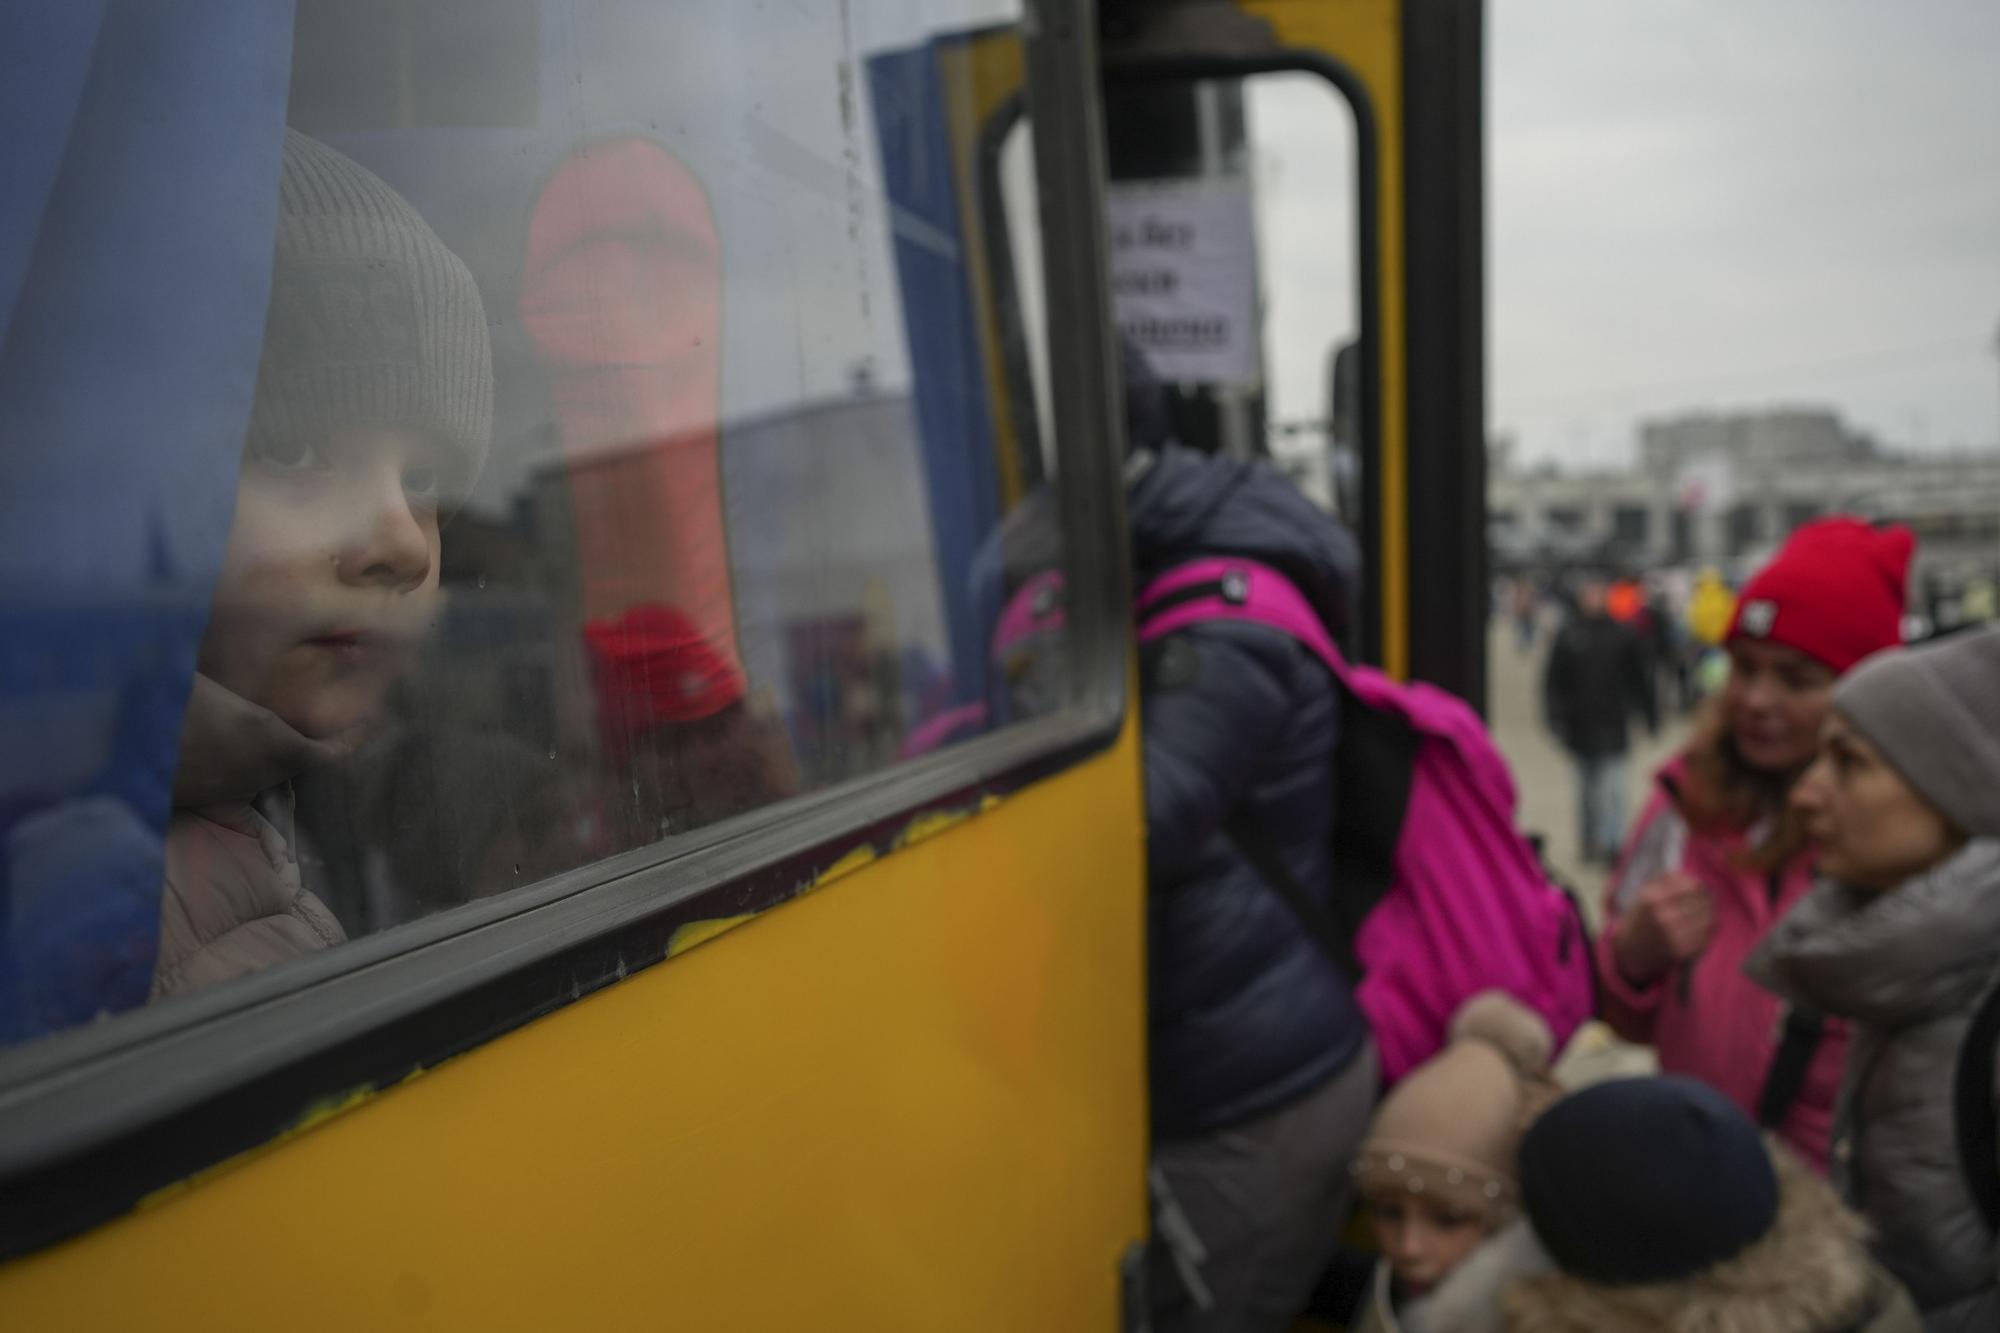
{"points": [[1439, 896]]}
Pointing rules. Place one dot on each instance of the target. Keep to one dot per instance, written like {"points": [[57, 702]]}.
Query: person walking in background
{"points": [[1624, 601], [1524, 605], [1903, 939], [1715, 861], [1666, 644], [1711, 610], [1665, 1212], [1595, 682]]}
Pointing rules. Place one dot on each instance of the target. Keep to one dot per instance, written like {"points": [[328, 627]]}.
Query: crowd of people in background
{"points": [[1803, 923]]}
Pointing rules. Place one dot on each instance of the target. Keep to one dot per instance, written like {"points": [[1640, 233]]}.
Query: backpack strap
{"points": [[1973, 1111], [1798, 1041], [1375, 769], [1225, 588], [1373, 758], [1335, 941]]}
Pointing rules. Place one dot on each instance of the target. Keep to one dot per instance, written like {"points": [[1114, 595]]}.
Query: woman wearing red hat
{"points": [[1716, 859], [676, 722]]}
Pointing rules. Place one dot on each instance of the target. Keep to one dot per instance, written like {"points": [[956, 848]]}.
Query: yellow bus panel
{"points": [[914, 1098]]}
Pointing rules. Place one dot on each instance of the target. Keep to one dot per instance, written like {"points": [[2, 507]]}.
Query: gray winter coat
{"points": [[1909, 968], [233, 902]]}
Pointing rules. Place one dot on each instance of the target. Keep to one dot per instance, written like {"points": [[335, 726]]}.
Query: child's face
{"points": [[1423, 1238], [331, 575]]}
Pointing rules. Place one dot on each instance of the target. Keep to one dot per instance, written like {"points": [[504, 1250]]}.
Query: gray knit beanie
{"points": [[1934, 713], [372, 322]]}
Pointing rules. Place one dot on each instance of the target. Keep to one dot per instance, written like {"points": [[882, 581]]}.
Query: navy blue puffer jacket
{"points": [[1246, 1013]]}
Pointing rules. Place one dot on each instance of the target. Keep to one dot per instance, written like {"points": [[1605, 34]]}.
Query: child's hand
{"points": [[1671, 923]]}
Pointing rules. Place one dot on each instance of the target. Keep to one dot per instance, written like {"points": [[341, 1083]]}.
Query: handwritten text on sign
{"points": [[1183, 276]]}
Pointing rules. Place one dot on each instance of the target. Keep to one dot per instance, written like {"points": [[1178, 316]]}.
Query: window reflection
{"points": [[627, 453], [683, 744]]}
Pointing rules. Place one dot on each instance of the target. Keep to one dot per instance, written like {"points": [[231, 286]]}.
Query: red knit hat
{"points": [[1835, 592], [653, 668]]}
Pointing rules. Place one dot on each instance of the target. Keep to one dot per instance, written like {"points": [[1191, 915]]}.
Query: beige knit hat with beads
{"points": [[1451, 1130]]}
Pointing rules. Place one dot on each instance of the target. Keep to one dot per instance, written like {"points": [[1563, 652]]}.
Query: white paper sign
{"points": [[1184, 276]]}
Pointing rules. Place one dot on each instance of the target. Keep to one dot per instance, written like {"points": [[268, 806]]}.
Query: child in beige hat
{"points": [[1438, 1176]]}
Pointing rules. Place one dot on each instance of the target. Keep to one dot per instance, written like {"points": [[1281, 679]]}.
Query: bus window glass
{"points": [[1302, 144], [580, 423]]}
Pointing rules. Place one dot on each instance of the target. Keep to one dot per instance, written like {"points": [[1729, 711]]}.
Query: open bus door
{"points": [[1388, 155]]}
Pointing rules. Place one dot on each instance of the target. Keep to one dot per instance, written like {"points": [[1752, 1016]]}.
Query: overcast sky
{"points": [[1712, 203]]}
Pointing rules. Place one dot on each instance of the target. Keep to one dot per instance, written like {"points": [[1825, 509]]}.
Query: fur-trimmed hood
{"points": [[1468, 1300], [1811, 1274]]}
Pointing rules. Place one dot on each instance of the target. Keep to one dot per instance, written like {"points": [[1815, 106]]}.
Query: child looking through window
{"points": [[373, 405]]}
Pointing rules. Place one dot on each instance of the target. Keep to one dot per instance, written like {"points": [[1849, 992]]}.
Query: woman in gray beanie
{"points": [[1903, 938]]}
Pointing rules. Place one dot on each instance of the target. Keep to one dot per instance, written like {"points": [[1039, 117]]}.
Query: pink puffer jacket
{"points": [[1708, 1020], [233, 902]]}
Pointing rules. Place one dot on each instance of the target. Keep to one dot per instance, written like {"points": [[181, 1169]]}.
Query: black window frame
{"points": [[1171, 65], [93, 1120]]}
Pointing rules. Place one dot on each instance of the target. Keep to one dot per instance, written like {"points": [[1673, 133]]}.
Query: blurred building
{"points": [[1726, 489]]}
